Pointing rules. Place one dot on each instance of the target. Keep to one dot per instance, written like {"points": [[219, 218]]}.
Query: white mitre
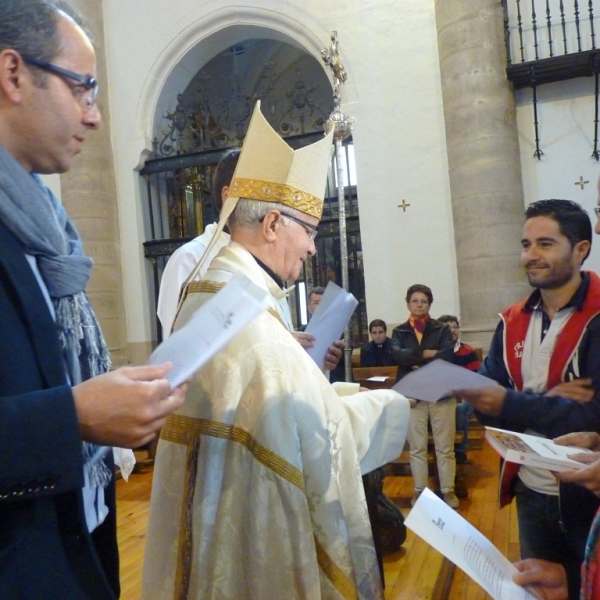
{"points": [[269, 170]]}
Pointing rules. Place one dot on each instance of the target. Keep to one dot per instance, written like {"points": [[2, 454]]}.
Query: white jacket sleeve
{"points": [[379, 420], [179, 266]]}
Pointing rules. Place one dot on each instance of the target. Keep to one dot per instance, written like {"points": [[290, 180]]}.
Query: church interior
{"points": [[462, 114]]}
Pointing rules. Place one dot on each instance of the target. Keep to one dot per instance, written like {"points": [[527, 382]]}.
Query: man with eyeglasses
{"points": [[184, 260], [545, 354], [60, 410], [257, 489]]}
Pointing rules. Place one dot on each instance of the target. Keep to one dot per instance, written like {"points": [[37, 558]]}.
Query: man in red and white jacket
{"points": [[546, 356]]}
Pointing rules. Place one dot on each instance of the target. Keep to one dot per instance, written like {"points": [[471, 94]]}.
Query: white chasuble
{"points": [[257, 490]]}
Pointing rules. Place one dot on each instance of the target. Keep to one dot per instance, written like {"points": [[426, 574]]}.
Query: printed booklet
{"points": [[532, 450]]}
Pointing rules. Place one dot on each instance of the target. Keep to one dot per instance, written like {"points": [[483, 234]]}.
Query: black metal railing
{"points": [[548, 41], [539, 29]]}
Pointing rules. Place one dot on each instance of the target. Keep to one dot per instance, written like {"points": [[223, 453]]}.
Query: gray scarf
{"points": [[40, 223]]}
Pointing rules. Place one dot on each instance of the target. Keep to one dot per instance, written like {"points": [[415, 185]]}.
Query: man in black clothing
{"points": [[377, 353]]}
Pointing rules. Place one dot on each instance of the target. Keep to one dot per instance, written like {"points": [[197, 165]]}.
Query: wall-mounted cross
{"points": [[581, 182], [405, 205]]}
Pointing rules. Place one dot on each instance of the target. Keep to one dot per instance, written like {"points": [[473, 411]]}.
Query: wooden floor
{"points": [[413, 572], [410, 574]]}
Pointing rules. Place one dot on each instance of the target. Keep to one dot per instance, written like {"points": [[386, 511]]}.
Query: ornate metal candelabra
{"points": [[343, 126]]}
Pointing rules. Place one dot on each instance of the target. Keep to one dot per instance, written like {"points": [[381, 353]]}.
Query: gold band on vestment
{"points": [[186, 530], [266, 191], [212, 287], [338, 578], [181, 429], [205, 287]]}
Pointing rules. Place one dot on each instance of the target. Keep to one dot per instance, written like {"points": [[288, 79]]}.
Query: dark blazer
{"points": [[408, 352], [46, 552]]}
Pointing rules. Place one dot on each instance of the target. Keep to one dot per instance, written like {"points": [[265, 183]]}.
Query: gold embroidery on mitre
{"points": [[338, 578], [179, 429], [254, 189]]}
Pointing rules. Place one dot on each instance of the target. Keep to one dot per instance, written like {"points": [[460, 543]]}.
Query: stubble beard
{"points": [[555, 279]]}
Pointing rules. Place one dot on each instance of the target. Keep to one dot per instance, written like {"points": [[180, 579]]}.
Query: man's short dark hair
{"points": [[573, 221], [316, 290], [224, 174], [448, 319], [31, 27], [377, 323], [419, 287]]}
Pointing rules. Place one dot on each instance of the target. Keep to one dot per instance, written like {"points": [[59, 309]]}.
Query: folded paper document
{"points": [[329, 320], [532, 450], [213, 325], [437, 379], [452, 535]]}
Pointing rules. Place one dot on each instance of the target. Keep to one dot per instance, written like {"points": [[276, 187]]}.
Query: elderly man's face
{"points": [[55, 123], [298, 245]]}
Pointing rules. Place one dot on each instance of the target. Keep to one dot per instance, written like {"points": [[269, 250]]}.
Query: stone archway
{"points": [[205, 38]]}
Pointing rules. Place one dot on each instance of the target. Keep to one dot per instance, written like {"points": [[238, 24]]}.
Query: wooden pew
{"points": [[361, 375]]}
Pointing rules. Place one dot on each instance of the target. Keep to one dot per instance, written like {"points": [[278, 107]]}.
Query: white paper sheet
{"points": [[213, 325], [437, 379], [452, 535], [378, 378], [329, 320]]}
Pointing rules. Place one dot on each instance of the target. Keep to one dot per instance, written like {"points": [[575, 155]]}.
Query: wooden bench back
{"points": [[361, 374]]}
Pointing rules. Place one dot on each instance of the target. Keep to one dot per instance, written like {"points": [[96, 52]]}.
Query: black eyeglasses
{"points": [[312, 230], [86, 90], [597, 211]]}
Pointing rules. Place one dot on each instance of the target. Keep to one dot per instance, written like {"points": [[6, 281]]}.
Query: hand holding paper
{"points": [[329, 320], [453, 536], [532, 450], [438, 379]]}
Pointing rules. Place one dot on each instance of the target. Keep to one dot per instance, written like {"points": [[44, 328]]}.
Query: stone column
{"points": [[89, 194], [483, 162]]}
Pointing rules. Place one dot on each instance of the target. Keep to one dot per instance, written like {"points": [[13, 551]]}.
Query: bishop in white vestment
{"points": [[257, 490]]}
